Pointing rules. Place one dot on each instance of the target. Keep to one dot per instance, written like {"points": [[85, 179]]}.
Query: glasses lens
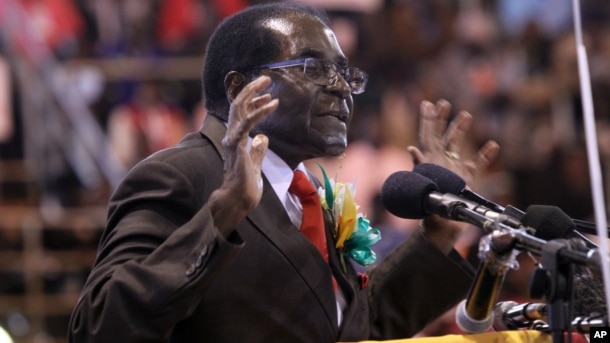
{"points": [[357, 79], [325, 73], [320, 72]]}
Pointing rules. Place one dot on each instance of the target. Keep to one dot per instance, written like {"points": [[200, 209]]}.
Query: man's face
{"points": [[311, 120]]}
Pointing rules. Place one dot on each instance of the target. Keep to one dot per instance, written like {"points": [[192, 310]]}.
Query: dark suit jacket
{"points": [[163, 273]]}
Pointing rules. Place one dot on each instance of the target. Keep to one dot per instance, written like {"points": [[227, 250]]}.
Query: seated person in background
{"points": [[144, 125]]}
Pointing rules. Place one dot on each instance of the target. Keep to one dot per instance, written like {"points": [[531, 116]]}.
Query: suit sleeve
{"points": [[158, 255], [415, 284]]}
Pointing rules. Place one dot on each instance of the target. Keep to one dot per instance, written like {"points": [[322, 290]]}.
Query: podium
{"points": [[517, 336]]}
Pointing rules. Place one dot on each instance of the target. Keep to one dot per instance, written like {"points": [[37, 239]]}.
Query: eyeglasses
{"points": [[325, 73]]}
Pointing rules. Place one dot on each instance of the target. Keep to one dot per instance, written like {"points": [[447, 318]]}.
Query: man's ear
{"points": [[234, 83]]}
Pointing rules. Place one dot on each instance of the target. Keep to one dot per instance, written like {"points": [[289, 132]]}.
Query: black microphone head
{"points": [[446, 180], [404, 194], [550, 222]]}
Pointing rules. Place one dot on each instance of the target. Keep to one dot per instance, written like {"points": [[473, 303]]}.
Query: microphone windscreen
{"points": [[404, 194], [446, 180], [550, 222]]}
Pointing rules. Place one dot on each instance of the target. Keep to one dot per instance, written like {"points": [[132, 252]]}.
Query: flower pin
{"points": [[352, 231]]}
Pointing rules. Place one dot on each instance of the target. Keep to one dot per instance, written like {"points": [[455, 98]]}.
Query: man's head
{"points": [[241, 41], [295, 47]]}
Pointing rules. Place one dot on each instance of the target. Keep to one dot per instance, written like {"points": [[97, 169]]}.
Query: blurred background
{"points": [[90, 87]]}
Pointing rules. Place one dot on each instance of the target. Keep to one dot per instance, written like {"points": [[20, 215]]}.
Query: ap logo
{"points": [[600, 334]]}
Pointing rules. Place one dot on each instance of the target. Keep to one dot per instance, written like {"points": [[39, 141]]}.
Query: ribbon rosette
{"points": [[352, 231]]}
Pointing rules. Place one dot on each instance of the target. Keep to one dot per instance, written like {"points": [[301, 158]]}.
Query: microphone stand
{"points": [[521, 238], [559, 288], [558, 258], [556, 282]]}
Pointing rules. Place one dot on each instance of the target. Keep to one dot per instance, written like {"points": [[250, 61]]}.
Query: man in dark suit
{"points": [[202, 243]]}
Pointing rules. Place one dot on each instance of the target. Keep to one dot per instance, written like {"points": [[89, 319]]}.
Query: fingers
{"points": [[432, 127], [428, 126], [257, 154], [434, 134], [258, 149], [487, 154], [443, 110], [416, 155], [247, 109], [441, 141], [454, 136]]}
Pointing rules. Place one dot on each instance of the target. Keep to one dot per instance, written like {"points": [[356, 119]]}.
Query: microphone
{"points": [[475, 314], [547, 215], [403, 194], [450, 182], [414, 196], [510, 316], [550, 222]]}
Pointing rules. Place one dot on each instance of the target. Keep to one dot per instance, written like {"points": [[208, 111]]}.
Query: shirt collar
{"points": [[278, 173]]}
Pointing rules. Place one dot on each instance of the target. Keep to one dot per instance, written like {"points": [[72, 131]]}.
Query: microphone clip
{"points": [[498, 249]]}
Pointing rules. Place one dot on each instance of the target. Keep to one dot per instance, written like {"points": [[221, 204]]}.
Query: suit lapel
{"points": [[282, 233], [305, 259], [215, 130]]}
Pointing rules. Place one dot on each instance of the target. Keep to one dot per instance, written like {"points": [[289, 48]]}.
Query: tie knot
{"points": [[301, 186]]}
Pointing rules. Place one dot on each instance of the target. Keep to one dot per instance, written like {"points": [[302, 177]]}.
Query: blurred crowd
{"points": [[511, 63]]}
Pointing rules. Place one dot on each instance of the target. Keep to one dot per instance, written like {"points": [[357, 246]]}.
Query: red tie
{"points": [[313, 222]]}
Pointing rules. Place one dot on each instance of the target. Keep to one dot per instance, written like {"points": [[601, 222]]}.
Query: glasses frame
{"points": [[344, 71]]}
